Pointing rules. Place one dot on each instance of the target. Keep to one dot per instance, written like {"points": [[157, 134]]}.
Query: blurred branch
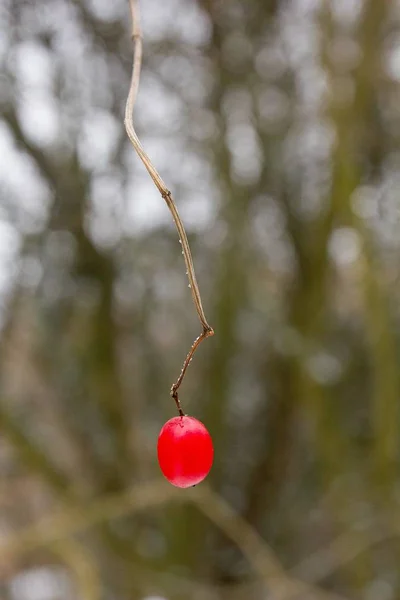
{"points": [[69, 522], [82, 567], [55, 529], [69, 182], [383, 346], [262, 559], [351, 121], [352, 124], [385, 392], [166, 195], [30, 453], [253, 547], [341, 551], [38, 535], [268, 473], [42, 162]]}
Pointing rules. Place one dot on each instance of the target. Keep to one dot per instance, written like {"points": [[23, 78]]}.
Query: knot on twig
{"points": [[166, 194], [174, 394]]}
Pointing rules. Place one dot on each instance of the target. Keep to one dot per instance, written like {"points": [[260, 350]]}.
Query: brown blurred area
{"points": [[276, 125]]}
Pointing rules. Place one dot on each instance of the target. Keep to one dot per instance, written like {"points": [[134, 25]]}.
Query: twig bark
{"points": [[207, 330]]}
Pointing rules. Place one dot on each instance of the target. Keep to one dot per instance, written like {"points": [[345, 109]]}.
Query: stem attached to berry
{"points": [[166, 195]]}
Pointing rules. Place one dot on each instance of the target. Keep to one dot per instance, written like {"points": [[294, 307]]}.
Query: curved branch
{"points": [[165, 193]]}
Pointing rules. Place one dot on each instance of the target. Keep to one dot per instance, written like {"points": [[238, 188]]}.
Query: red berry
{"points": [[185, 451]]}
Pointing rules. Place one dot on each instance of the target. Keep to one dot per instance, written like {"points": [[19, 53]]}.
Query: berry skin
{"points": [[185, 451]]}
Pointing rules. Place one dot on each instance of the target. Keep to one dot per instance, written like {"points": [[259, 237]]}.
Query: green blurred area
{"points": [[276, 125]]}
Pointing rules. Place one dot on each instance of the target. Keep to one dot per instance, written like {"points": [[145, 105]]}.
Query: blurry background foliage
{"points": [[276, 123]]}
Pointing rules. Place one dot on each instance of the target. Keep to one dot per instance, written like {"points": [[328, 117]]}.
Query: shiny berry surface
{"points": [[185, 451]]}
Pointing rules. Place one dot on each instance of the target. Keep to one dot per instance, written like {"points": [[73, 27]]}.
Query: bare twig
{"points": [[166, 195]]}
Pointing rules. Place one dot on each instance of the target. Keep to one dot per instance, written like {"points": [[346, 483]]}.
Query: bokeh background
{"points": [[276, 124]]}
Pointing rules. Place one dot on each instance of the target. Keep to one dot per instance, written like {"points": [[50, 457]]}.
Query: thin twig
{"points": [[188, 360], [165, 193]]}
